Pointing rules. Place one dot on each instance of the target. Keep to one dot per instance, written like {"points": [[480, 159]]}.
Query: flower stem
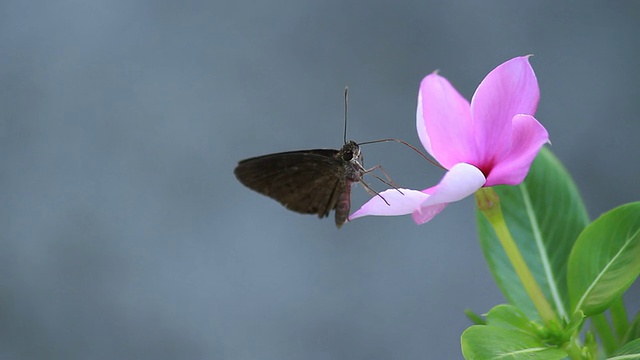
{"points": [[489, 203]]}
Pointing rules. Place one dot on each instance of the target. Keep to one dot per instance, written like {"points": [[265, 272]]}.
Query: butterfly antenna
{"points": [[407, 145], [346, 111]]}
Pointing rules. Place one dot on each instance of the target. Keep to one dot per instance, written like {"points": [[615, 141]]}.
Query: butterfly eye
{"points": [[347, 156]]}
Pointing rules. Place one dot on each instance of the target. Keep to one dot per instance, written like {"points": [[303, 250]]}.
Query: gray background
{"points": [[125, 235]]}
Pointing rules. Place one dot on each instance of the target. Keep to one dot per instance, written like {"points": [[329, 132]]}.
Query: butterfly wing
{"points": [[308, 182]]}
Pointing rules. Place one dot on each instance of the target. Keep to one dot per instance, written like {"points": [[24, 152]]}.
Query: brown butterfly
{"points": [[307, 181]]}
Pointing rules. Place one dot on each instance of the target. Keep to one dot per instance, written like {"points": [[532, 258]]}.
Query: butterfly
{"points": [[307, 181]]}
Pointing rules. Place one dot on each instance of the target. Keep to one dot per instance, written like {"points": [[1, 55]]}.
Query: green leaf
{"points": [[633, 332], [619, 318], [545, 215], [490, 342], [605, 259], [475, 318], [510, 318], [605, 332], [628, 351]]}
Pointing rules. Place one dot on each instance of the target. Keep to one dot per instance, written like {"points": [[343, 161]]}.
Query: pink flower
{"points": [[491, 141]]}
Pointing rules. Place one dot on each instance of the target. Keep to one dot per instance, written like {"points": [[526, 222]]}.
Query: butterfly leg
{"points": [[373, 192], [389, 181]]}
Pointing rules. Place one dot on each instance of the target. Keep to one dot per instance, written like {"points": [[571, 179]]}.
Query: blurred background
{"points": [[124, 234]]}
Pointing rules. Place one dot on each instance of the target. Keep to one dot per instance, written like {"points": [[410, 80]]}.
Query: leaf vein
{"points": [[523, 351], [600, 275]]}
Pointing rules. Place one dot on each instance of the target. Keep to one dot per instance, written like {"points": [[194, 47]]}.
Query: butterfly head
{"points": [[350, 152]]}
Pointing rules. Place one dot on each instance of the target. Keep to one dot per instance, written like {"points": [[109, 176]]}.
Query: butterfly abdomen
{"points": [[343, 206]]}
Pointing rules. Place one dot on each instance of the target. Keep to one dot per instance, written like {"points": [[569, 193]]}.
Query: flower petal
{"points": [[510, 89], [443, 120], [428, 213], [399, 203], [528, 136], [458, 183]]}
